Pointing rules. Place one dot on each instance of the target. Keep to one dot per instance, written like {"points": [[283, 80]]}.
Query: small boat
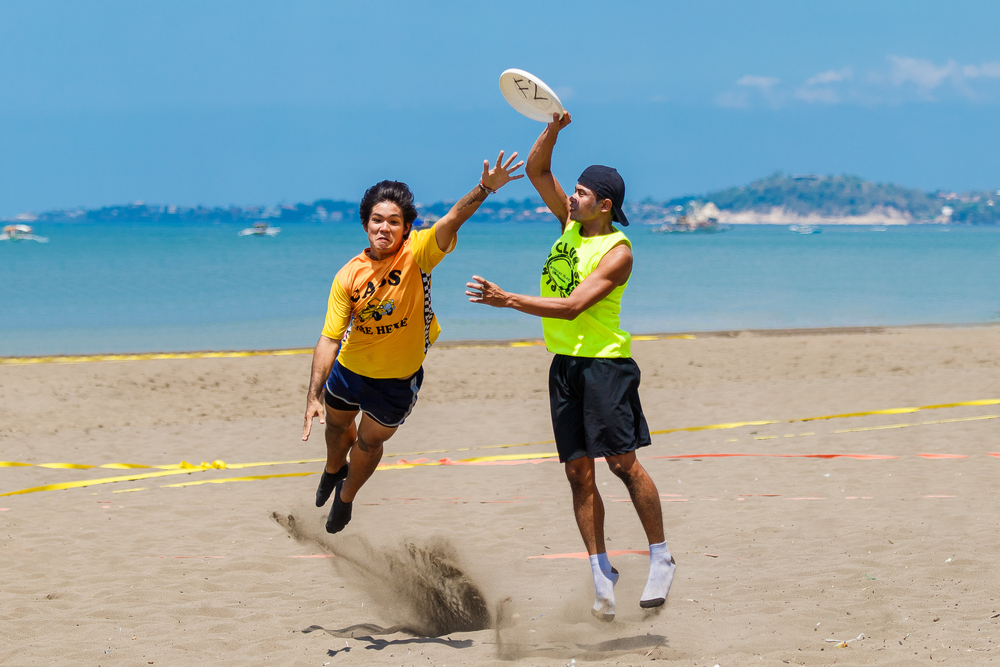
{"points": [[426, 221], [20, 233], [805, 229], [697, 220], [682, 226], [261, 229]]}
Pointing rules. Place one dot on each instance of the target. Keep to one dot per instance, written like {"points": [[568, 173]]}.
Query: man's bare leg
{"points": [[646, 500], [341, 432], [589, 510], [366, 452], [642, 490], [587, 504], [340, 436]]}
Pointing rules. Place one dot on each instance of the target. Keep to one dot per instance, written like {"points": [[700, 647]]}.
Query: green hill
{"points": [[829, 196], [849, 196]]}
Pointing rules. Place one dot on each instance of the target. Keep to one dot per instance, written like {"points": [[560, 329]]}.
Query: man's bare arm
{"points": [[446, 229], [539, 169], [323, 357], [613, 270]]}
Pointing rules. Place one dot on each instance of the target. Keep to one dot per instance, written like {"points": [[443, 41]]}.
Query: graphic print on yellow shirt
{"points": [[384, 307], [596, 332]]}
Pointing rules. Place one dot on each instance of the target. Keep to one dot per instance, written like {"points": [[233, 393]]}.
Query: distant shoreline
{"points": [[777, 199], [475, 344], [736, 219]]}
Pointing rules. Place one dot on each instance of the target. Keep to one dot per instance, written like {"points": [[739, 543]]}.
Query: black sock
{"points": [[340, 513], [327, 482]]}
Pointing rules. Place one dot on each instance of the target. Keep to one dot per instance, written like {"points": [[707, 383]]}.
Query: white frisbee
{"points": [[529, 95]]}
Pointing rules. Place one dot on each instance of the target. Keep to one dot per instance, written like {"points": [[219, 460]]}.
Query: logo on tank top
{"points": [[560, 270]]}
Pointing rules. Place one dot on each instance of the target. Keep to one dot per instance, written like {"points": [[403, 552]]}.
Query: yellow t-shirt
{"points": [[387, 307]]}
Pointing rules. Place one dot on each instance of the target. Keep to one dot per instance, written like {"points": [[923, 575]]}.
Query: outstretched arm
{"points": [[539, 169], [323, 358], [493, 179], [613, 270]]}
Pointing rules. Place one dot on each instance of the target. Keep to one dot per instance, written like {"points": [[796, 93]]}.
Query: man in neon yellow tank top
{"points": [[593, 381]]}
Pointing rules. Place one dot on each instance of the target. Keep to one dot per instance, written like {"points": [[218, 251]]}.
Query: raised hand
{"points": [[483, 291], [560, 122], [500, 174]]}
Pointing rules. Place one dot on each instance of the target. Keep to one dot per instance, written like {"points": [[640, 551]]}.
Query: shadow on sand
{"points": [[368, 632]]}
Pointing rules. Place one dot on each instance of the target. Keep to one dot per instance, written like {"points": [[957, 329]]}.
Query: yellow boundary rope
{"points": [[184, 467], [250, 478], [889, 411], [90, 482], [731, 425], [86, 358], [24, 361]]}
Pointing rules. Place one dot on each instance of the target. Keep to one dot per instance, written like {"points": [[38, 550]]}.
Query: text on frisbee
{"points": [[529, 95]]}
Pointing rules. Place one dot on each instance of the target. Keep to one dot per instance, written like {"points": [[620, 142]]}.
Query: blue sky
{"points": [[215, 102]]}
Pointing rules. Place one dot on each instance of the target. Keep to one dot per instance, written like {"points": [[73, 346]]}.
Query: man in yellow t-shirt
{"points": [[593, 381], [379, 325]]}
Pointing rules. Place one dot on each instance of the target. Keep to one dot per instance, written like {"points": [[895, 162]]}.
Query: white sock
{"points": [[604, 586], [661, 575], [609, 572]]}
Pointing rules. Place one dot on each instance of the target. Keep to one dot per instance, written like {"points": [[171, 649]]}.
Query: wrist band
{"points": [[488, 191]]}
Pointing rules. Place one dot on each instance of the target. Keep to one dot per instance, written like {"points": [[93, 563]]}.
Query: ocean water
{"points": [[139, 287]]}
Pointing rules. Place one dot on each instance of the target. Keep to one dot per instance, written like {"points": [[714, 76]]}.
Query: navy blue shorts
{"points": [[387, 401], [595, 407]]}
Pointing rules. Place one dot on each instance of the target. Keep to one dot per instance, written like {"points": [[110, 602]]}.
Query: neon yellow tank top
{"points": [[596, 332]]}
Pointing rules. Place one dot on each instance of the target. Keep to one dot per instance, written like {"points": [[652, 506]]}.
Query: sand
{"points": [[778, 552]]}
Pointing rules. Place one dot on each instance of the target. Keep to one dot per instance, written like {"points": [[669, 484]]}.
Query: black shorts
{"points": [[595, 407], [387, 401]]}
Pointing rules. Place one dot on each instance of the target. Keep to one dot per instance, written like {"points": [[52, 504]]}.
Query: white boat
{"points": [[261, 229], [20, 233], [425, 221], [805, 229], [697, 220]]}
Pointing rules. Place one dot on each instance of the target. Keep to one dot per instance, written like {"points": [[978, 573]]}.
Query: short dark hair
{"points": [[392, 191]]}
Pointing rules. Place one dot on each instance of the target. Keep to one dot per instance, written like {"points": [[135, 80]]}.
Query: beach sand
{"points": [[778, 551]]}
